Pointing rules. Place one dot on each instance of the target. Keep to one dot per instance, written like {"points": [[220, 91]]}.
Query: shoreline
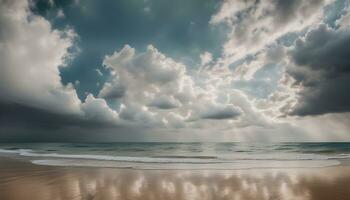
{"points": [[62, 160], [20, 179]]}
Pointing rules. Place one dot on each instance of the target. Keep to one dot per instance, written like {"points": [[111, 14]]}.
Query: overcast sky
{"points": [[164, 70]]}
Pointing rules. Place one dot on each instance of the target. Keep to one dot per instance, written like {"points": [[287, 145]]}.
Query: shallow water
{"points": [[183, 155]]}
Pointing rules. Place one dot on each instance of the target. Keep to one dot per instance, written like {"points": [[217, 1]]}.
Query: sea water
{"points": [[182, 155]]}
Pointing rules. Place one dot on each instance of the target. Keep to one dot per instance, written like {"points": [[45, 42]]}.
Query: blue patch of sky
{"points": [[334, 11], [263, 83], [179, 29]]}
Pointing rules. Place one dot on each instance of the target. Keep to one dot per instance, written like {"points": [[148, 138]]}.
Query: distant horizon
{"points": [[175, 142]]}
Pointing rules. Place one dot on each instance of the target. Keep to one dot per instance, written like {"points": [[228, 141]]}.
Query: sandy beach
{"points": [[21, 180]]}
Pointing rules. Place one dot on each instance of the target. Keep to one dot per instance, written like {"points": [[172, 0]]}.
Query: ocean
{"points": [[195, 156]]}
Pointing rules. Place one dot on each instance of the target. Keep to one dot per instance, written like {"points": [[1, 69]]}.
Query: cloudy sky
{"points": [[164, 70]]}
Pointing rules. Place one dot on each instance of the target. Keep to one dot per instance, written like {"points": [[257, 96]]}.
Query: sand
{"points": [[23, 180]]}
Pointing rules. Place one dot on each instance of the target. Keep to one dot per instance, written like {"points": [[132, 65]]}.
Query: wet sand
{"points": [[21, 180]]}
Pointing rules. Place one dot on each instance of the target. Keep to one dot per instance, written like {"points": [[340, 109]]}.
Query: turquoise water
{"points": [[182, 155]]}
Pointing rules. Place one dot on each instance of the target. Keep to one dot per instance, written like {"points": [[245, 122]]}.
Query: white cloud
{"points": [[206, 57], [146, 82], [175, 120], [97, 109], [140, 115], [148, 74], [256, 24], [157, 88], [151, 66], [31, 53]]}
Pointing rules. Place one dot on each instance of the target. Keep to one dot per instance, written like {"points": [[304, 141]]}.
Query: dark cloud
{"points": [[322, 68], [220, 112], [17, 115], [164, 103], [221, 115], [112, 90], [21, 123], [287, 10], [324, 49]]}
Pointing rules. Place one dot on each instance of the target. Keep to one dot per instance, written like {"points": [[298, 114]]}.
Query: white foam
{"points": [[15, 151], [119, 158], [190, 159], [186, 166], [234, 161], [286, 156]]}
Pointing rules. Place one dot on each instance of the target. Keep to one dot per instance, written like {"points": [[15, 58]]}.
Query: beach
{"points": [[174, 100], [20, 179]]}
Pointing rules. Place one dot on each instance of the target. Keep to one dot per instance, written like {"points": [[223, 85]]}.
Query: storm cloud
{"points": [[322, 68]]}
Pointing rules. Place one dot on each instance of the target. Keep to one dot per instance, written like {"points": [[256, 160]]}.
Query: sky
{"points": [[175, 71]]}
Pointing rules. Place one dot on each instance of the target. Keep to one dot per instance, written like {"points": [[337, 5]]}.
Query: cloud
{"points": [[31, 53], [344, 20], [165, 102], [322, 71], [112, 90], [98, 110], [148, 74], [254, 25], [150, 89], [150, 66], [159, 90], [272, 55], [139, 115], [175, 120], [150, 94], [217, 111], [206, 58], [314, 69], [147, 79], [323, 49]]}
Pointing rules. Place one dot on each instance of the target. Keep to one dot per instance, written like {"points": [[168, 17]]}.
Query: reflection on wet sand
{"points": [[20, 180]]}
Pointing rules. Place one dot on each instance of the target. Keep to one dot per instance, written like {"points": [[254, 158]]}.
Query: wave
{"points": [[174, 159], [197, 159], [14, 150], [210, 162], [185, 166]]}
